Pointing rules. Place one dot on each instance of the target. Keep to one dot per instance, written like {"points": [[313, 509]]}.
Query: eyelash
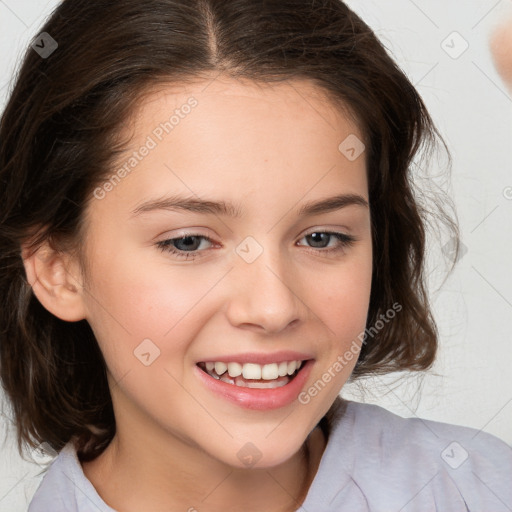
{"points": [[166, 245]]}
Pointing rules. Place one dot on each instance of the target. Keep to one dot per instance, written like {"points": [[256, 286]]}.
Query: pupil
{"points": [[317, 237], [188, 241]]}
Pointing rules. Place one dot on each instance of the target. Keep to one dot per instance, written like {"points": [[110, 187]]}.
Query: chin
{"points": [[261, 454]]}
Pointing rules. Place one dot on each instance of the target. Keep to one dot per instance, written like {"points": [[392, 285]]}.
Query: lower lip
{"points": [[259, 399]]}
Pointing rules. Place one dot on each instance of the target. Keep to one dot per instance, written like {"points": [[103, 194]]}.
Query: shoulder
{"points": [[64, 487], [453, 444], [413, 460]]}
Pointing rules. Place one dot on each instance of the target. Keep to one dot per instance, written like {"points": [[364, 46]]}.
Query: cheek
{"points": [[348, 297], [132, 301]]}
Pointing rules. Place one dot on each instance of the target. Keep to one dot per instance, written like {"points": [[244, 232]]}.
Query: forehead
{"points": [[266, 144], [301, 95]]}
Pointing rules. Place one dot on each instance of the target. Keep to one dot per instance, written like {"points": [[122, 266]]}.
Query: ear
{"points": [[55, 280]]}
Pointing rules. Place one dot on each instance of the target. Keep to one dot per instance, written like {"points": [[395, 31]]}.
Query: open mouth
{"points": [[250, 375]]}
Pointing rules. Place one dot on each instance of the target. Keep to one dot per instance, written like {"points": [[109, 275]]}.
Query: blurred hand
{"points": [[501, 48]]}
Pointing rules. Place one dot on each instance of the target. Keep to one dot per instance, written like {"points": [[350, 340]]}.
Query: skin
{"points": [[273, 148], [501, 47]]}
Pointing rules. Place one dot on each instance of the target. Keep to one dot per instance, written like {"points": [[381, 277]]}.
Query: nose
{"points": [[263, 294]]}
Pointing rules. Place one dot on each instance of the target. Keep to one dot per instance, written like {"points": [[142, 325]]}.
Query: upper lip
{"points": [[252, 357]]}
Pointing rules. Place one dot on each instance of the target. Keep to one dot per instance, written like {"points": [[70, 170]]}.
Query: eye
{"points": [[189, 242], [341, 240]]}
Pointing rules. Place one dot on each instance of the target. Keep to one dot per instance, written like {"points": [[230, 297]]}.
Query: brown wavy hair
{"points": [[58, 141]]}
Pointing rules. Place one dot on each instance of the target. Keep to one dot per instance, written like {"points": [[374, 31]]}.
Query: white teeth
{"points": [[226, 378], [234, 369], [251, 371], [283, 369], [292, 366], [229, 372], [271, 384], [270, 372], [220, 368], [240, 382]]}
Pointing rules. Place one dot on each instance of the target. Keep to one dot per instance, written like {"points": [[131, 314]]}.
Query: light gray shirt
{"points": [[374, 461]]}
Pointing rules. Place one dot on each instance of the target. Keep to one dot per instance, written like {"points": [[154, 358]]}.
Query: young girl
{"points": [[208, 228]]}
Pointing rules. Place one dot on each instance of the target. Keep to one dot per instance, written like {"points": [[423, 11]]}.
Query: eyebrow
{"points": [[177, 203]]}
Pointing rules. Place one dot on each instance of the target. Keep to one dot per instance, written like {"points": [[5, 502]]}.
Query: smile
{"points": [[252, 385], [253, 375]]}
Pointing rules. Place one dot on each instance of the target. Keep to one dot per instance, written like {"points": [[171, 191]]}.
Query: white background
{"points": [[471, 383]]}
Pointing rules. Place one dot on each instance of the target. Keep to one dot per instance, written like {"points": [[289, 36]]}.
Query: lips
{"points": [[266, 391]]}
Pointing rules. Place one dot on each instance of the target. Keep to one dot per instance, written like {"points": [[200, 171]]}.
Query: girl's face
{"points": [[256, 287]]}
